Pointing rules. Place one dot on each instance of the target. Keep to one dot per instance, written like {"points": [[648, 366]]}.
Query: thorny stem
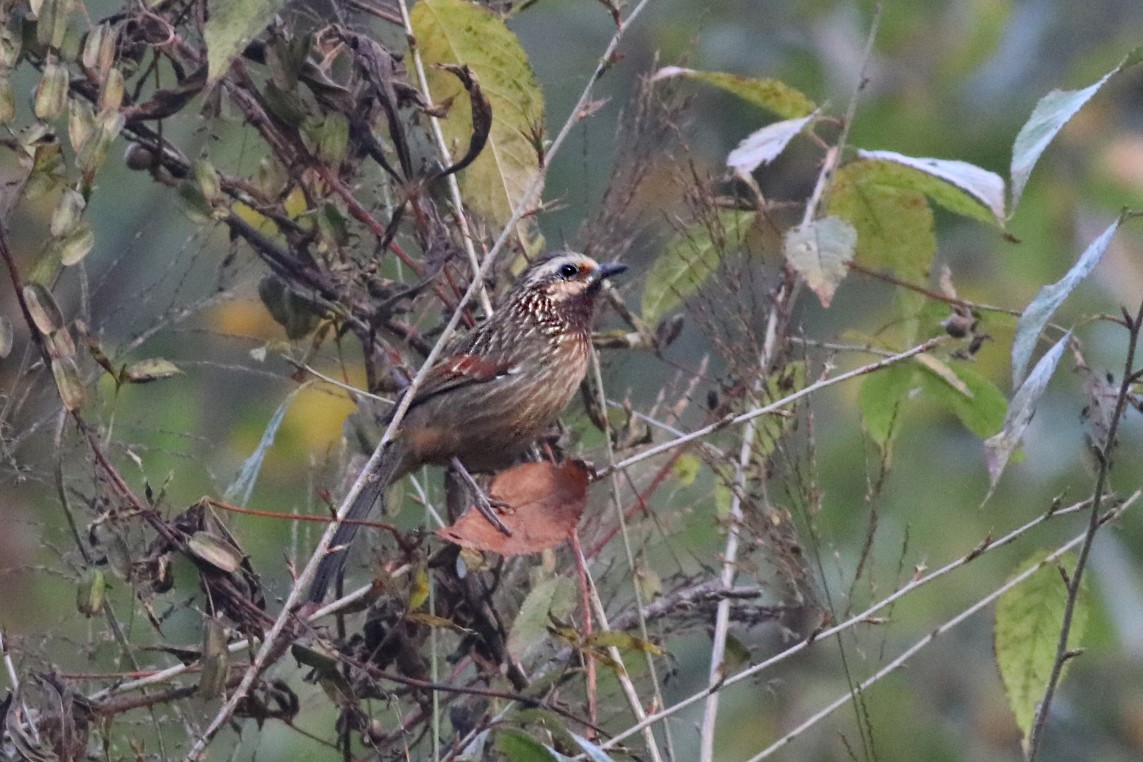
{"points": [[270, 646], [1134, 327]]}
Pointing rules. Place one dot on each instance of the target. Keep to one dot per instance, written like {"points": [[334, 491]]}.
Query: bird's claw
{"points": [[488, 508]]}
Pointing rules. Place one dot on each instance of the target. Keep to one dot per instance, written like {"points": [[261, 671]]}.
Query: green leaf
{"points": [[622, 640], [552, 598], [999, 448], [328, 137], [974, 399], [686, 469], [819, 251], [690, 259], [518, 746], [420, 590], [893, 220], [460, 32], [231, 27], [881, 399], [1037, 314], [91, 593], [958, 186], [770, 94], [1027, 631], [769, 429], [1049, 117]]}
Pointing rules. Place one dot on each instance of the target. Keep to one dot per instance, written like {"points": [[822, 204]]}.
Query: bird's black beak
{"points": [[607, 269]]}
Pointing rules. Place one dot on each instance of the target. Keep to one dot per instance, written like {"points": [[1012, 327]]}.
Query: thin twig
{"points": [[446, 157], [1099, 492], [717, 671], [940, 630], [734, 420], [270, 645], [986, 546], [636, 706]]}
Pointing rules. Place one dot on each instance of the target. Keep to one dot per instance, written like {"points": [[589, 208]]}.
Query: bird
{"points": [[494, 390]]}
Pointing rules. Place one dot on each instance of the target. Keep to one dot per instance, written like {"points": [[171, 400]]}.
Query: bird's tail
{"points": [[333, 563]]}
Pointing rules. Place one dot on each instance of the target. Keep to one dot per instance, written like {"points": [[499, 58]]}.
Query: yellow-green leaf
{"points": [[770, 94], [690, 259], [145, 371], [975, 400], [92, 593], [461, 32], [893, 220], [552, 598], [1027, 631], [419, 594], [231, 27], [621, 640], [881, 400], [686, 469], [769, 429]]}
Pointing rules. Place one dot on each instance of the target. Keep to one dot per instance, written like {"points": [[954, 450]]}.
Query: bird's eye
{"points": [[568, 271]]}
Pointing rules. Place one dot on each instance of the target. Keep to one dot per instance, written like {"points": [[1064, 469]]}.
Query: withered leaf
{"points": [[541, 503], [481, 116]]}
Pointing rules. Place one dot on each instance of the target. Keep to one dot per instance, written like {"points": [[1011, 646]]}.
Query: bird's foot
{"points": [[490, 508], [487, 506]]}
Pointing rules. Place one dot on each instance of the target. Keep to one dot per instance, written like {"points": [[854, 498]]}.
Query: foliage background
{"points": [[954, 80]]}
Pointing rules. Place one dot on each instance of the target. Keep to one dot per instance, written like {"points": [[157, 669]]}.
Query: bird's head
{"points": [[567, 277]]}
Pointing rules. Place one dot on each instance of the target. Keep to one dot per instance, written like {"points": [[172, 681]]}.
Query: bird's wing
{"points": [[461, 370]]}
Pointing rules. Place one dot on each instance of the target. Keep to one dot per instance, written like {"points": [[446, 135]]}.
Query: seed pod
{"points": [[68, 212], [51, 93], [111, 96]]}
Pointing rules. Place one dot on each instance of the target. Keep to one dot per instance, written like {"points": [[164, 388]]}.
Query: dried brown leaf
{"points": [[540, 503]]}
